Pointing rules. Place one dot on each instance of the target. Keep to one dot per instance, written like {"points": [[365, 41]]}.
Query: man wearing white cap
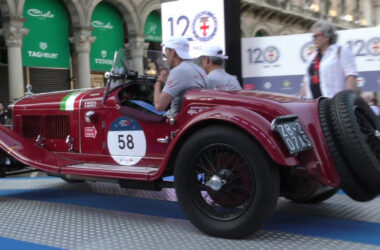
{"points": [[212, 60], [185, 75]]}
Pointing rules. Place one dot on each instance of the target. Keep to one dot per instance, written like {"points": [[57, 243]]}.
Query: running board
{"points": [[110, 171]]}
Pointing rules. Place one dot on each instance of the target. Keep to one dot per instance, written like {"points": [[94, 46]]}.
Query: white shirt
{"points": [[333, 70]]}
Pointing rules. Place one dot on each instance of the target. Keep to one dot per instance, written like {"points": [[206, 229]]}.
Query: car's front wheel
{"points": [[225, 183]]}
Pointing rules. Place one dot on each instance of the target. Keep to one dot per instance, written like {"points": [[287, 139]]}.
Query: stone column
{"points": [[13, 37], [136, 47], [376, 12], [82, 45], [342, 9]]}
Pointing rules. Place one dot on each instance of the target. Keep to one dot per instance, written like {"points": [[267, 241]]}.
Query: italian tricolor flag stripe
{"points": [[71, 101]]}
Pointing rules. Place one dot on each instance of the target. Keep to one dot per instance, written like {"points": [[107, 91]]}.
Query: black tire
{"points": [[248, 197], [349, 183], [69, 180], [321, 197], [355, 126]]}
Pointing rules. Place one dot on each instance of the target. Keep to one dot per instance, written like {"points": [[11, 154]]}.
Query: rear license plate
{"points": [[294, 137]]}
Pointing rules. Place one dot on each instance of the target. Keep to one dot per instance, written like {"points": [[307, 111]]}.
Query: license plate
{"points": [[294, 137]]}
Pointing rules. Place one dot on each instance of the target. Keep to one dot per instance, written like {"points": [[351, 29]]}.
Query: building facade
{"points": [[65, 44], [283, 17]]}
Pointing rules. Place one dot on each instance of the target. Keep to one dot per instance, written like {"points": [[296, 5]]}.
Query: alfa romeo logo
{"points": [[307, 50], [374, 46], [205, 26], [271, 54]]}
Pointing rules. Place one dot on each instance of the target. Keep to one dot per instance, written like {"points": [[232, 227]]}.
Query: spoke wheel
{"points": [[226, 185]]}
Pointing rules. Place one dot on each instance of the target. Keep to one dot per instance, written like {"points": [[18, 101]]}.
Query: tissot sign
{"points": [[107, 24], [279, 63], [200, 21]]}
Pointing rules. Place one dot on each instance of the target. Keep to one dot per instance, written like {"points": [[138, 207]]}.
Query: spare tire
{"points": [[348, 181], [356, 128]]}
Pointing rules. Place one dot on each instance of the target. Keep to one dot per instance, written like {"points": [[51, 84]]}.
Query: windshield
{"points": [[149, 64]]}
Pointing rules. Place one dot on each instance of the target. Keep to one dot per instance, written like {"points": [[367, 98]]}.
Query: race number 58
{"points": [[126, 141]]}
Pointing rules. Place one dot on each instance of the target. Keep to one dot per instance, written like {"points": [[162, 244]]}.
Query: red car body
{"points": [[250, 111]]}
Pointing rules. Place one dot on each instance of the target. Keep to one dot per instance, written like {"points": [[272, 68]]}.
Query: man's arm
{"points": [[351, 82], [161, 99]]}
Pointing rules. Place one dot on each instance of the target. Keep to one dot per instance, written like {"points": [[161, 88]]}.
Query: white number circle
{"points": [[126, 141]]}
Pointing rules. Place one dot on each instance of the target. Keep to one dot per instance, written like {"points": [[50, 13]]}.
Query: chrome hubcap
{"points": [[216, 183]]}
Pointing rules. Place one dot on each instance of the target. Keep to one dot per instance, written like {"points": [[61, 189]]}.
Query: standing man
{"points": [[212, 60], [185, 75]]}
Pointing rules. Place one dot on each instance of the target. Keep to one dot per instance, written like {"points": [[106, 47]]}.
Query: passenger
{"points": [[331, 68], [212, 60], [2, 113], [185, 75]]}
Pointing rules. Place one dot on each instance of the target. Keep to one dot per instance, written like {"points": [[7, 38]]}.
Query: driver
{"points": [[185, 75]]}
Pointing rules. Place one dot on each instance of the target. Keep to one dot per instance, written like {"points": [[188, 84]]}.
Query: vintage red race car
{"points": [[232, 153]]}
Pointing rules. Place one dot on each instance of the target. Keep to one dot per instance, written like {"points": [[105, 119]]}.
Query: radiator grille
{"points": [[56, 127], [49, 127], [31, 126]]}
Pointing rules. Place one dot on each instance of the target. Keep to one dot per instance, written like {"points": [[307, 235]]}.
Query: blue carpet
{"points": [[316, 226]]}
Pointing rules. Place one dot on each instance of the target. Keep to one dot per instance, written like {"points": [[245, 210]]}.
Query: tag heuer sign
{"points": [[47, 44]]}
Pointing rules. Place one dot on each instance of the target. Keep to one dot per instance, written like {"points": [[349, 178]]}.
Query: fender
{"points": [[29, 153], [249, 121]]}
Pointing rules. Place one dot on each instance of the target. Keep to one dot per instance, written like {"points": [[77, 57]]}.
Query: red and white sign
{"points": [[90, 132], [200, 21]]}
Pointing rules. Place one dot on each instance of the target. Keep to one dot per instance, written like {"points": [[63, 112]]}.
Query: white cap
{"points": [[213, 50], [181, 46]]}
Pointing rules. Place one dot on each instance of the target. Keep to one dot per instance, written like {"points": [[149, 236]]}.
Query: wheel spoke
{"points": [[228, 164]]}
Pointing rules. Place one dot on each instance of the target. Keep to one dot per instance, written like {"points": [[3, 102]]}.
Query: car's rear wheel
{"points": [[349, 183], [357, 131], [225, 183]]}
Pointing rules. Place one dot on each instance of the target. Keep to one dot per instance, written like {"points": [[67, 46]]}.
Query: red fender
{"points": [[27, 152], [249, 121]]}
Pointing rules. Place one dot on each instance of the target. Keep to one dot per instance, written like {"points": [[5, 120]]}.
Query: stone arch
{"points": [[76, 13], [261, 27], [7, 9], [147, 8], [128, 11], [285, 31]]}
